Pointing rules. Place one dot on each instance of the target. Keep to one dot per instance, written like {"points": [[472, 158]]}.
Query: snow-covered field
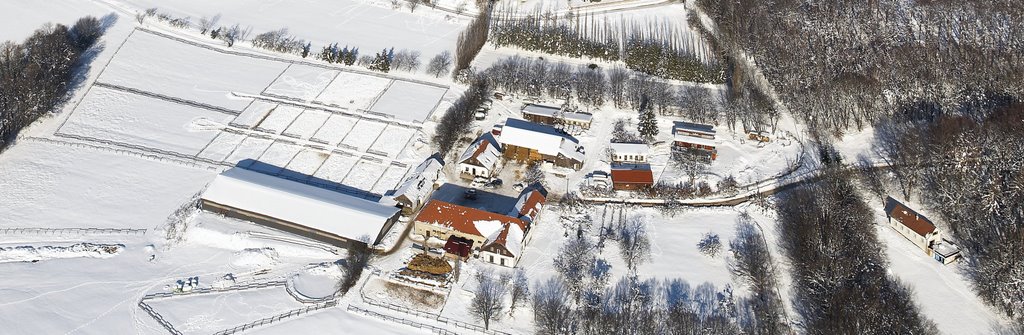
{"points": [[163, 66], [211, 312], [353, 90], [22, 17], [302, 81], [142, 121], [409, 101]]}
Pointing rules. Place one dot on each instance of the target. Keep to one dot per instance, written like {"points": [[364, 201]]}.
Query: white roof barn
{"points": [[319, 213], [545, 139]]}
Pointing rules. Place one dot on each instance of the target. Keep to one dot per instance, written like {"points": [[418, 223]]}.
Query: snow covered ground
{"points": [[211, 312], [33, 14], [409, 101], [367, 26]]}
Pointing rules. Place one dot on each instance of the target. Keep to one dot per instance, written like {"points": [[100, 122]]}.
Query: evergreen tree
{"points": [[381, 62], [305, 49], [648, 125]]}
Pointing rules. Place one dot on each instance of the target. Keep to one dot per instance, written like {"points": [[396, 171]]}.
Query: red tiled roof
{"points": [[632, 176], [530, 207], [908, 217], [461, 218]]}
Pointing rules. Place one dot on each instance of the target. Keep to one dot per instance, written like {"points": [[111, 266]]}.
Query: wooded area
{"points": [[36, 75], [839, 65]]}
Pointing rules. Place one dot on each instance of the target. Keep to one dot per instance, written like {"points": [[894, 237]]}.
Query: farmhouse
{"points": [[481, 158], [324, 215], [526, 141], [695, 136], [550, 115], [416, 189], [498, 238], [919, 230], [631, 176], [628, 152]]}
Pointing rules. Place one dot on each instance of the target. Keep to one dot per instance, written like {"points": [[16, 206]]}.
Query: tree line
{"points": [[654, 49], [37, 74], [840, 65], [966, 168], [281, 41]]}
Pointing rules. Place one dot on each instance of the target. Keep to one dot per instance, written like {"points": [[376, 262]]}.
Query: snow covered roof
{"points": [[529, 204], [694, 140], [693, 128], [629, 148], [464, 219], [511, 237], [294, 202], [545, 139], [945, 248], [421, 180], [550, 111], [485, 150]]}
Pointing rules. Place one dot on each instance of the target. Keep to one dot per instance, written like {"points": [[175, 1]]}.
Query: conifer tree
{"points": [[648, 125]]}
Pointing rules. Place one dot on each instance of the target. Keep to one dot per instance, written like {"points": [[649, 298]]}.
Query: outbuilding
{"points": [[632, 176]]}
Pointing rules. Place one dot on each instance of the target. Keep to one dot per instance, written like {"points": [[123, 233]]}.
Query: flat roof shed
{"points": [[336, 218]]}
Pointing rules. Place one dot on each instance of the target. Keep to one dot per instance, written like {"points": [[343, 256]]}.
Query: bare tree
{"points": [[575, 261], [489, 298], [353, 264], [440, 64], [634, 244], [412, 5], [205, 24], [551, 309], [520, 290], [709, 244]]}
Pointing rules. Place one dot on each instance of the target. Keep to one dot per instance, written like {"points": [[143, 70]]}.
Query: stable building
{"points": [[629, 177], [335, 218], [556, 116], [920, 231], [694, 136], [481, 158], [416, 189], [529, 142]]}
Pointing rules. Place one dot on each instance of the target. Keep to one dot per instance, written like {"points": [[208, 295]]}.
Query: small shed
{"points": [[632, 176]]}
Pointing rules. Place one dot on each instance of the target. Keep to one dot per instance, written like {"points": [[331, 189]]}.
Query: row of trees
{"points": [[654, 49], [840, 65], [457, 119], [36, 75], [840, 281], [281, 41], [472, 40], [966, 169]]}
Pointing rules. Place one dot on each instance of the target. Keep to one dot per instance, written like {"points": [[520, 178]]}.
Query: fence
{"points": [[160, 319], [145, 153], [435, 329], [71, 231], [276, 318], [432, 316], [240, 287]]}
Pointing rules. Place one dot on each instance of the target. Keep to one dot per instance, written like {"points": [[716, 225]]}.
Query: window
{"points": [[492, 258], [502, 262]]}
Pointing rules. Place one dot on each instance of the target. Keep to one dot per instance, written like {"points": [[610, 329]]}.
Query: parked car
{"points": [[470, 194], [479, 116]]}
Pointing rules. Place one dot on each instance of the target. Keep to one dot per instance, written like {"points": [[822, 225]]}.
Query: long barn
{"points": [[320, 214]]}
